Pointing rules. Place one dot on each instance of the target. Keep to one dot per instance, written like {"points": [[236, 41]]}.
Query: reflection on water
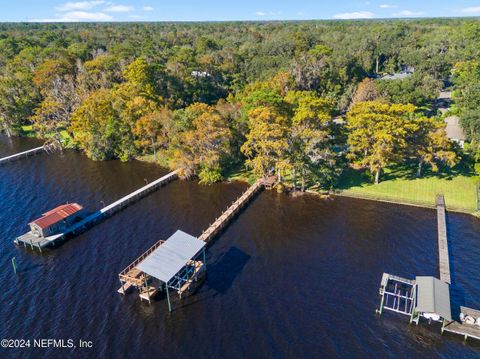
{"points": [[290, 277]]}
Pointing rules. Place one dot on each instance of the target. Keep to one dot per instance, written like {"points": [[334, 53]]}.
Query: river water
{"points": [[288, 278]]}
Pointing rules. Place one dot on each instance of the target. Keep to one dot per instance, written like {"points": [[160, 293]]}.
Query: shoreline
{"points": [[377, 199], [339, 193], [240, 176]]}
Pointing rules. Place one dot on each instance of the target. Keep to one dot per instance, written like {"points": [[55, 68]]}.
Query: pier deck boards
{"points": [[189, 284], [19, 155], [131, 275], [226, 216], [443, 258], [466, 330]]}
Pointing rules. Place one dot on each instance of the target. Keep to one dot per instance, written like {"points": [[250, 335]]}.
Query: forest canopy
{"points": [[206, 96]]}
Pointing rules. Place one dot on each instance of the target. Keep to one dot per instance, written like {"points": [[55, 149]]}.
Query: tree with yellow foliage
{"points": [[266, 144], [200, 149], [152, 130], [378, 134], [430, 145]]}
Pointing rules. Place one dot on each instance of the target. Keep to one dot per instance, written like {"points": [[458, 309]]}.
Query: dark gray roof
{"points": [[168, 259], [433, 296]]}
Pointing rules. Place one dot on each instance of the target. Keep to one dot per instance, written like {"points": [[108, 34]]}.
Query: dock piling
{"points": [[14, 264]]}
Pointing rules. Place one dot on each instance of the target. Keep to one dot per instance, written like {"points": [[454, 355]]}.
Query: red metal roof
{"points": [[57, 214]]}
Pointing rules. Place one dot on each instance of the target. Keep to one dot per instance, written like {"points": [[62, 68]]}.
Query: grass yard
{"points": [[240, 174], [399, 184], [28, 131]]}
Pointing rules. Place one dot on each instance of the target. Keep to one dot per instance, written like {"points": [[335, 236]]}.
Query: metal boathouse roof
{"points": [[433, 297], [168, 259]]}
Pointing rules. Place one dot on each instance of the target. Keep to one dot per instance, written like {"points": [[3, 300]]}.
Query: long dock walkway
{"points": [[29, 239], [231, 211], [132, 276], [443, 257], [19, 155]]}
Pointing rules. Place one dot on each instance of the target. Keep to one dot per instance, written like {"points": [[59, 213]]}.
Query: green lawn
{"points": [[28, 131], [400, 185], [241, 174]]}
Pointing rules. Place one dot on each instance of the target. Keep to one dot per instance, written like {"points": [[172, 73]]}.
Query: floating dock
{"points": [[32, 241], [140, 273], [23, 154]]}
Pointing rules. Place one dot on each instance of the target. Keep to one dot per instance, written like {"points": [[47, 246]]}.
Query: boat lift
{"points": [[398, 295]]}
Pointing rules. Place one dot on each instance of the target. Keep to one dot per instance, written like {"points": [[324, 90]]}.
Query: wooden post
{"points": [[476, 196], [123, 288], [168, 298], [381, 304], [14, 264], [148, 290], [412, 316]]}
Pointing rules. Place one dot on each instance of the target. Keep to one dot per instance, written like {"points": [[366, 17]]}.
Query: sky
{"points": [[224, 10]]}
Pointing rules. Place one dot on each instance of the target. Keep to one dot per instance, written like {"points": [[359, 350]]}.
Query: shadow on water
{"points": [[223, 272], [220, 276], [457, 294]]}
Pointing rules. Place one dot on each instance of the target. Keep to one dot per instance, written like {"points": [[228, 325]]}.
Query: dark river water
{"points": [[288, 278]]}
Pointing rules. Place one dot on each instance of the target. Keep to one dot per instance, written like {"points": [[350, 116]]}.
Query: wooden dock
{"points": [[19, 155], [231, 211], [132, 276], [466, 330], [443, 257], [139, 193], [32, 241]]}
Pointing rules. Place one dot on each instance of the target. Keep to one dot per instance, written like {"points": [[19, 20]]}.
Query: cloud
{"points": [[387, 6], [471, 10], [147, 8], [77, 16], [408, 13], [118, 8], [270, 14], [80, 5], [355, 15]]}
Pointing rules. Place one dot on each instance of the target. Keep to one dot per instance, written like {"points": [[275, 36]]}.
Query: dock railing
{"points": [[140, 259], [19, 155], [220, 221]]}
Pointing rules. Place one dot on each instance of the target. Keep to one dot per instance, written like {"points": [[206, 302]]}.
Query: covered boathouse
{"points": [[56, 220], [51, 225], [171, 265], [426, 297]]}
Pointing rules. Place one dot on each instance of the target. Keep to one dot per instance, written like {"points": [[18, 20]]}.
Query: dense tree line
{"points": [[204, 96]]}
